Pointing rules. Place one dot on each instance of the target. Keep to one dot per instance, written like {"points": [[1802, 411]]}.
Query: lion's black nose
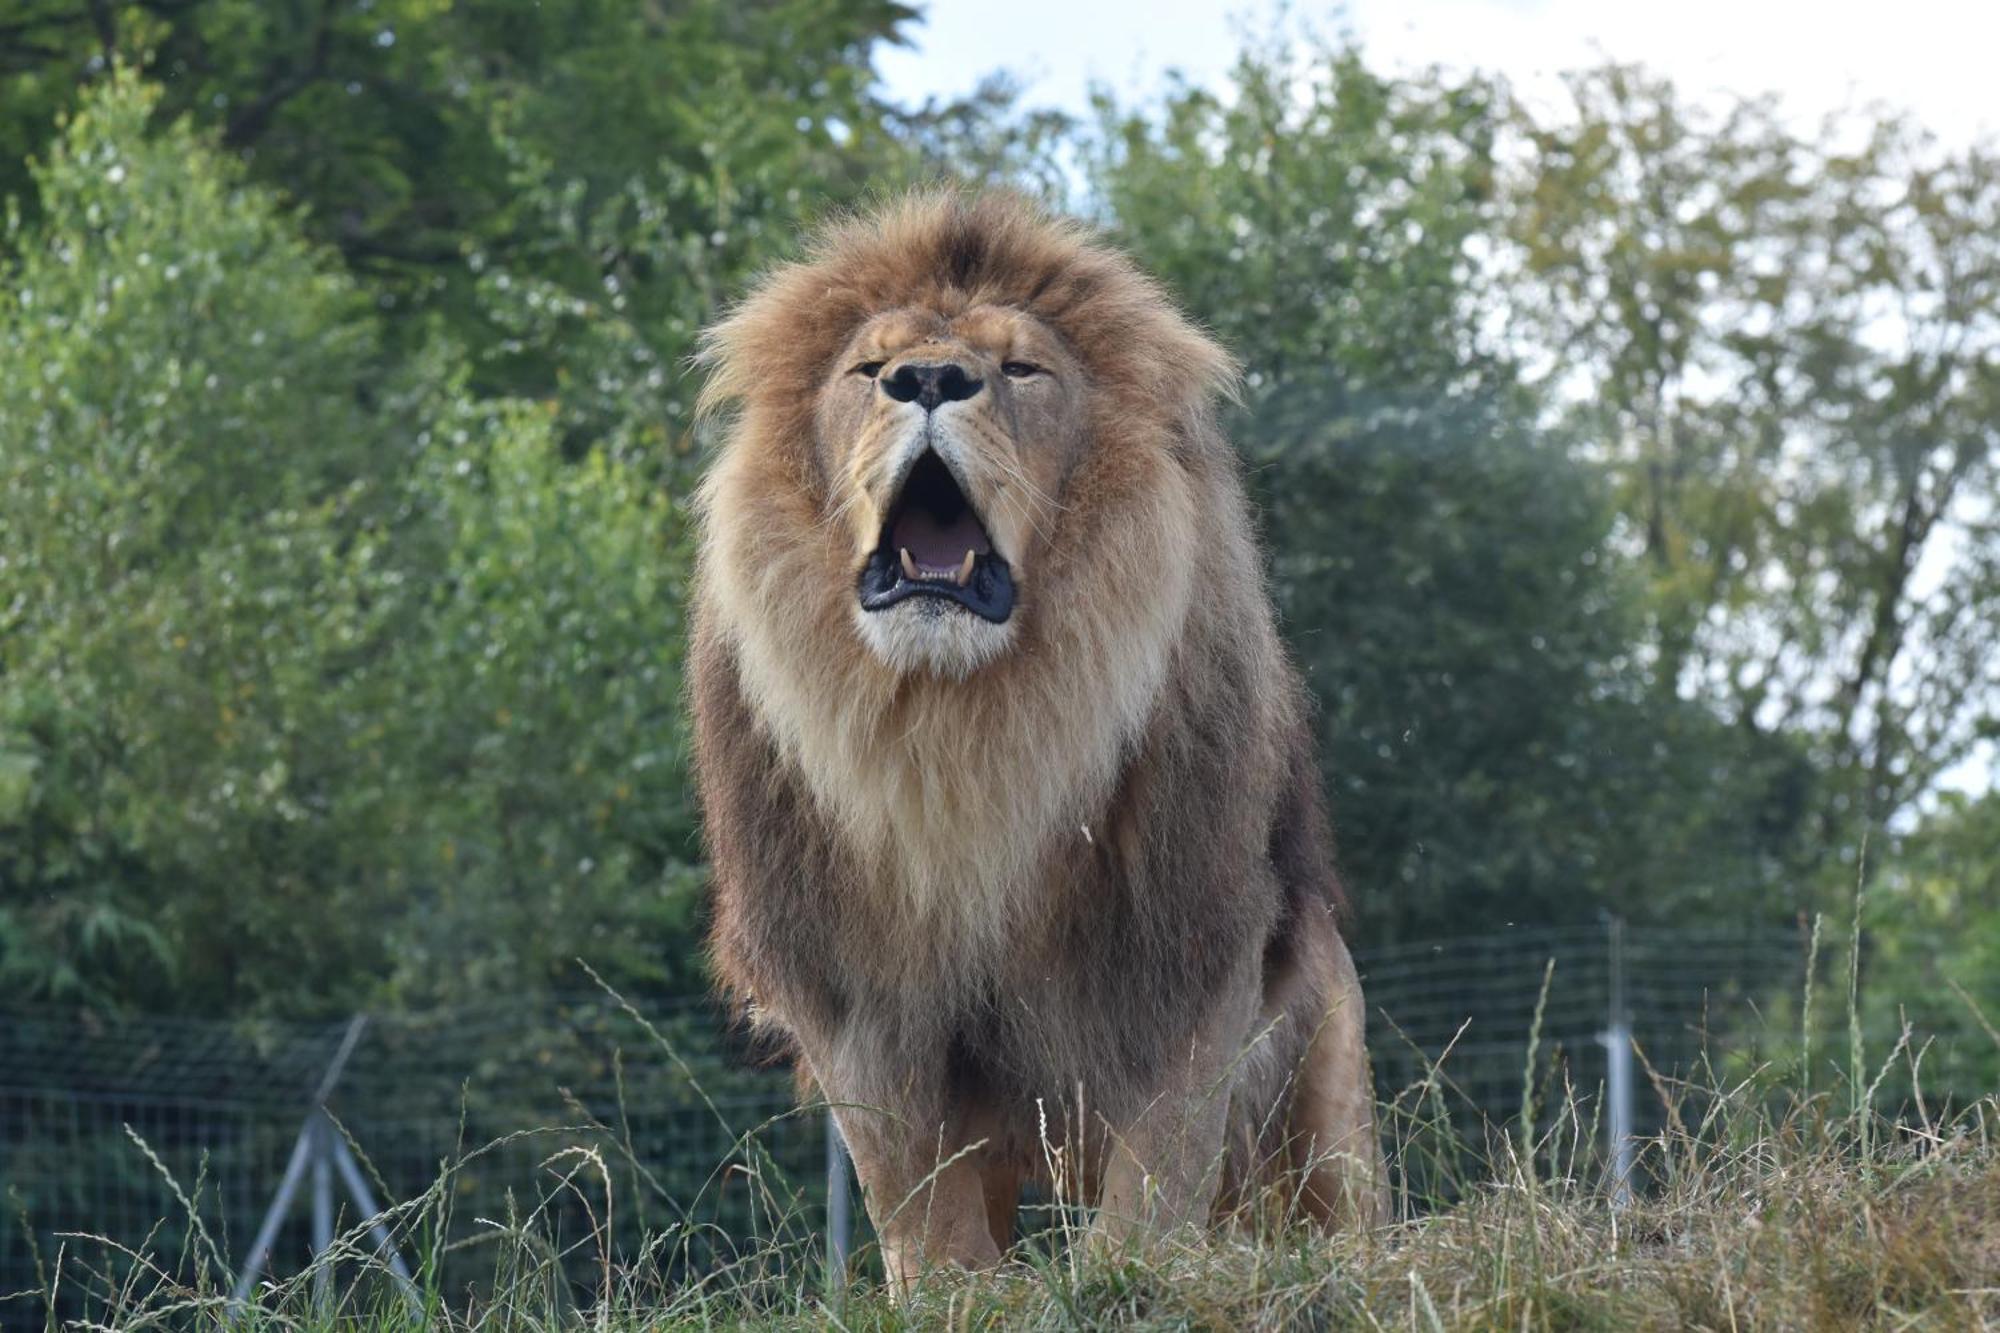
{"points": [[930, 384]]}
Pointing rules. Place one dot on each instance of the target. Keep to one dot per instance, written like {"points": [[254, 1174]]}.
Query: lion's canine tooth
{"points": [[965, 570], [909, 565]]}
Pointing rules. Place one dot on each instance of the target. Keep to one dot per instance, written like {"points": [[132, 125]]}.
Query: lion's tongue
{"points": [[935, 544]]}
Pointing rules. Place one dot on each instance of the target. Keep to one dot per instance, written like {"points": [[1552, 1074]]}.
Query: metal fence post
{"points": [[322, 1208], [274, 1216], [364, 1199], [1617, 1042], [839, 1213], [320, 1151]]}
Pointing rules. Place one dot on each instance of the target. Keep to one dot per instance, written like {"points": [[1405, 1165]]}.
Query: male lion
{"points": [[1015, 823]]}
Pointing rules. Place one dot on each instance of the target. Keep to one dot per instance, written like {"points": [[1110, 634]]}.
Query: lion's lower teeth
{"points": [[917, 573]]}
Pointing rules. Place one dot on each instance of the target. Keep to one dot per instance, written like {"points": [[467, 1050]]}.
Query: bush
{"points": [[314, 673]]}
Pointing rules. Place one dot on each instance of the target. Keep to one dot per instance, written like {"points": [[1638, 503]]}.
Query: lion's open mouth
{"points": [[934, 545]]}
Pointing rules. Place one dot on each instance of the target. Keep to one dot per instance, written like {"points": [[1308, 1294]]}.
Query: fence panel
{"points": [[105, 1124]]}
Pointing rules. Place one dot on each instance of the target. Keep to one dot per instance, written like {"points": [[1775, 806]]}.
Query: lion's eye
{"points": [[869, 368], [1019, 370]]}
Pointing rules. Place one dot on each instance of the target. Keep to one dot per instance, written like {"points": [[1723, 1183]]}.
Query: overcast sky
{"points": [[1935, 57]]}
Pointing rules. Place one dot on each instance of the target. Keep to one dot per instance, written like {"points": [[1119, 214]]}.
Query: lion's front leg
{"points": [[1336, 1157], [929, 1210], [919, 1169], [1163, 1165]]}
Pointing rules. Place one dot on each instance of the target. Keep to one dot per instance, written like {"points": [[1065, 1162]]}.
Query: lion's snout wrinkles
{"points": [[934, 399], [1009, 787]]}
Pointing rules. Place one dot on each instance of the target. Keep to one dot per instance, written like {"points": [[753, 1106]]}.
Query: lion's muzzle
{"points": [[934, 546]]}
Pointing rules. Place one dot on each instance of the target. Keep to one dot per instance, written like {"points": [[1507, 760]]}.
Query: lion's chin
{"points": [[932, 636]]}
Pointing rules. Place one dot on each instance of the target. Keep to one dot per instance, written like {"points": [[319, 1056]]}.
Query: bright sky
{"points": [[1935, 57]]}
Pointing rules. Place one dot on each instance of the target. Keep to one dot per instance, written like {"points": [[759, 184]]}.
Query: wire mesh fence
{"points": [[115, 1133]]}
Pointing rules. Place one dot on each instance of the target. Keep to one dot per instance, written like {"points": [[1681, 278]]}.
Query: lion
{"points": [[1017, 838]]}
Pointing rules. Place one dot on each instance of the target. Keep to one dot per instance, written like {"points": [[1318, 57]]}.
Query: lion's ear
{"points": [[775, 344], [746, 348], [1183, 365], [1212, 371], [711, 360], [721, 359]]}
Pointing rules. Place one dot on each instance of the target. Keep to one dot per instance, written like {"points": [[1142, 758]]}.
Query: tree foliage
{"points": [[1783, 350], [318, 679], [1934, 929], [1444, 567], [189, 417], [1627, 473]]}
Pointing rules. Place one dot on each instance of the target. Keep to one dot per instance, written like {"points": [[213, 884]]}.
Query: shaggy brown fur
{"points": [[1042, 898]]}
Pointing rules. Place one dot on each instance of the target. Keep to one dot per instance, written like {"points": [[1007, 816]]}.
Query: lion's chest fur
{"points": [[958, 803]]}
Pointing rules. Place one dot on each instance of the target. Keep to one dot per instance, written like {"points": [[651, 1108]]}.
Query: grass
{"points": [[1763, 1204]]}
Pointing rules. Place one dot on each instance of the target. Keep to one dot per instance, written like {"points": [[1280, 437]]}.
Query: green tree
{"points": [[1782, 348], [319, 681], [1443, 564], [523, 723], [1933, 948], [179, 423], [402, 124], [1630, 502], [569, 189]]}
